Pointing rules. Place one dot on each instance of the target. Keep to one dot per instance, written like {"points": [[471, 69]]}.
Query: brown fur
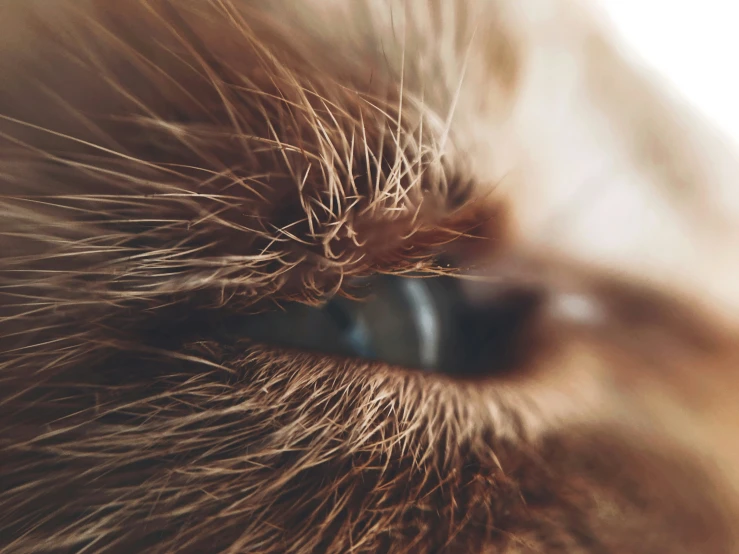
{"points": [[165, 165]]}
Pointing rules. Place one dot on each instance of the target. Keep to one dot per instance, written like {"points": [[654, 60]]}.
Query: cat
{"points": [[167, 166]]}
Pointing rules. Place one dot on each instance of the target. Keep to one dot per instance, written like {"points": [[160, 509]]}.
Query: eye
{"points": [[425, 323]]}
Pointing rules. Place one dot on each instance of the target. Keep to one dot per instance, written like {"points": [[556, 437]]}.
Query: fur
{"points": [[169, 165]]}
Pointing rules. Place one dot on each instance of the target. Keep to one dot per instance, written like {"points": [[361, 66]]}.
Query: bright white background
{"points": [[695, 44]]}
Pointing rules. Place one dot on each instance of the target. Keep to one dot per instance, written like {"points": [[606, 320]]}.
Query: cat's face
{"points": [[168, 167]]}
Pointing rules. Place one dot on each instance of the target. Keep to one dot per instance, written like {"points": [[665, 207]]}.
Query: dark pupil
{"points": [[413, 322]]}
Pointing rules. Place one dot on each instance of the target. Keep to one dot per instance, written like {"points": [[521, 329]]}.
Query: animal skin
{"points": [[166, 165]]}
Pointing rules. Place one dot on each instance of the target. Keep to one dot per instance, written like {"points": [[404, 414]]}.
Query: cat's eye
{"points": [[423, 323]]}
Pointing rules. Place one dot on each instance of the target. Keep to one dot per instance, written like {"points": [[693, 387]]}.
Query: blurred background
{"points": [[693, 44]]}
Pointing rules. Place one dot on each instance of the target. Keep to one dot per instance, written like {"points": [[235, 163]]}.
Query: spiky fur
{"points": [[165, 165]]}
